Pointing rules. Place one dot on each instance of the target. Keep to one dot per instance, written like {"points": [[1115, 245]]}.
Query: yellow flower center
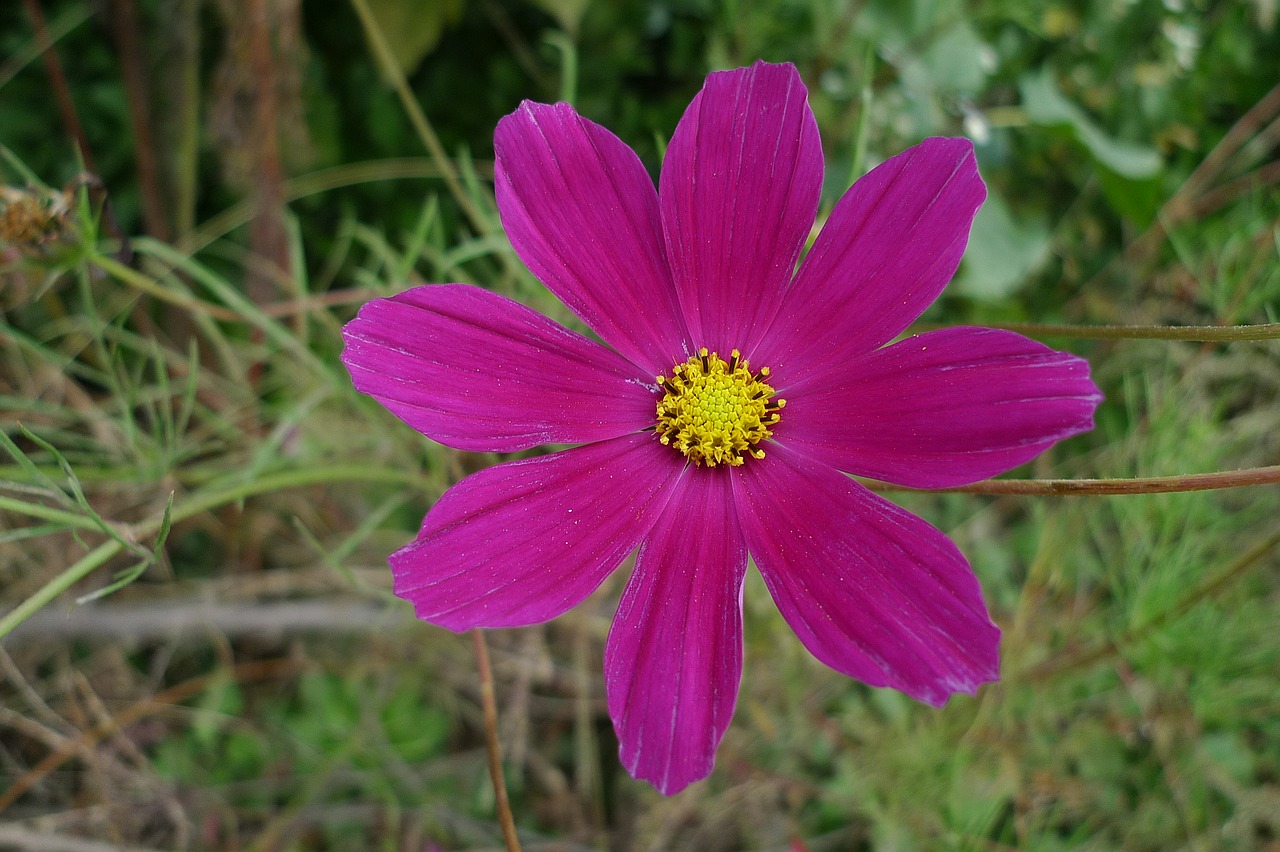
{"points": [[716, 411]]}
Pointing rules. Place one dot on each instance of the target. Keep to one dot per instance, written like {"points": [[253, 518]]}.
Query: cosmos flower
{"points": [[719, 417]]}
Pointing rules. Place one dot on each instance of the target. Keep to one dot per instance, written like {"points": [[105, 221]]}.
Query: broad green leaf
{"points": [[413, 28], [568, 13], [957, 61], [1003, 252], [1045, 105]]}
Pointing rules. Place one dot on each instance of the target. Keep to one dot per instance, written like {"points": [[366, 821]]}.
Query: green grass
{"points": [[170, 442]]}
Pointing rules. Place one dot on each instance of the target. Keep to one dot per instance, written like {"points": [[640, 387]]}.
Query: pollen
{"points": [[716, 411]]}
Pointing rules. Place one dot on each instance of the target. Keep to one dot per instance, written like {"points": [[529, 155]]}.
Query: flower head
{"points": [[721, 415]]}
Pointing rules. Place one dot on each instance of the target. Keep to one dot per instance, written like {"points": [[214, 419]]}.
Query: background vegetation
{"points": [[195, 506]]}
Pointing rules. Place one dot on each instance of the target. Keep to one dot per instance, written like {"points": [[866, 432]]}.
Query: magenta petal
{"points": [[889, 247], [477, 371], [943, 408], [739, 193], [870, 589], [674, 657], [522, 542], [582, 213]]}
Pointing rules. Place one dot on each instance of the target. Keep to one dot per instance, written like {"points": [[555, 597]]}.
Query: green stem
{"points": [[59, 584], [215, 495], [386, 59], [1194, 333], [1109, 487], [864, 115], [138, 281], [48, 513], [218, 495]]}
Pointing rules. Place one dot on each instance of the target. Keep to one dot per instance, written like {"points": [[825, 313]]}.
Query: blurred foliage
{"points": [[162, 422]]}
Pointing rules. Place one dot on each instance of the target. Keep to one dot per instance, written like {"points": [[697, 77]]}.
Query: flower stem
{"points": [[1108, 487], [490, 706], [1195, 333]]}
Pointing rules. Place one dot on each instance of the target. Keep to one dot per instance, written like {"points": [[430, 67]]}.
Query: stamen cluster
{"points": [[716, 411]]}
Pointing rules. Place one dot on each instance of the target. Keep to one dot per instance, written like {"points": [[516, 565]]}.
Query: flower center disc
{"points": [[716, 411]]}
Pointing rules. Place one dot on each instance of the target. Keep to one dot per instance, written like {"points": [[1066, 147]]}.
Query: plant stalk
{"points": [[1111, 487], [490, 705], [214, 496]]}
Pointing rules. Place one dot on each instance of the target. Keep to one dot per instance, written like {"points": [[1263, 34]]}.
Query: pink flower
{"points": [[687, 448]]}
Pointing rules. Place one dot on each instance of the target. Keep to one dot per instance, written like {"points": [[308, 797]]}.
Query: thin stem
{"points": [[244, 672], [426, 134], [133, 74], [448, 172], [1110, 487], [267, 238], [129, 275], [490, 706], [215, 495], [307, 185], [48, 513], [58, 82], [1194, 333]]}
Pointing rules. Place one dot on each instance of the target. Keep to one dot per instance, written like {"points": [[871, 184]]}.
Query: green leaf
{"points": [[568, 13], [1129, 172], [413, 28], [1045, 105], [956, 61], [1002, 253], [1136, 200]]}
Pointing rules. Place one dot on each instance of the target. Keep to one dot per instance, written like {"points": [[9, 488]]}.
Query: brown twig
{"points": [[266, 235], [1184, 203], [166, 619], [1219, 197], [1257, 117], [58, 82], [260, 670], [490, 707], [124, 19], [34, 840]]}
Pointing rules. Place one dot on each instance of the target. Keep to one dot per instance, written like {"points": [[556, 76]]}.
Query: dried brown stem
{"points": [[58, 82], [266, 235], [490, 707], [124, 19], [1185, 201], [260, 670], [1216, 199]]}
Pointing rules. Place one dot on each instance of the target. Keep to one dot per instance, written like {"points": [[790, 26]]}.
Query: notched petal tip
{"points": [[871, 590], [739, 192], [477, 371], [673, 660], [581, 211], [889, 247], [984, 668], [523, 542]]}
